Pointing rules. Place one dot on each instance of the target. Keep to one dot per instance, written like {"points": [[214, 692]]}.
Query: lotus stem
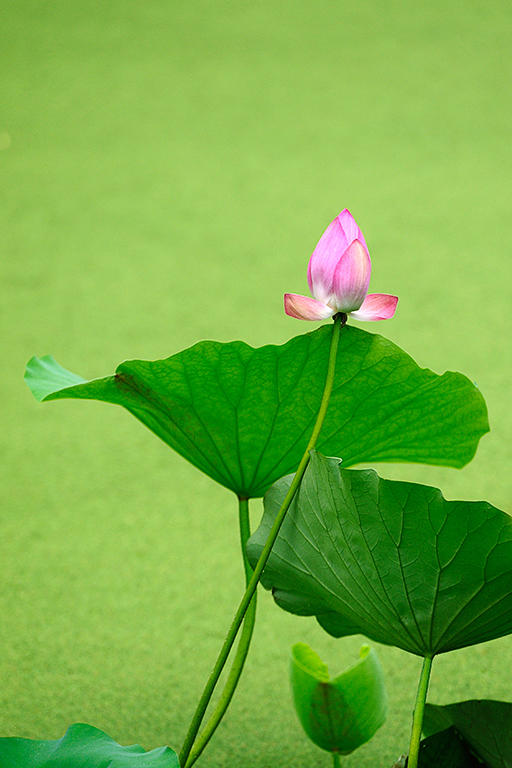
{"points": [[339, 321], [419, 709]]}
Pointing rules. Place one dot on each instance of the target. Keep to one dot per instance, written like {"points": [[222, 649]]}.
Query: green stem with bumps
{"points": [[419, 709]]}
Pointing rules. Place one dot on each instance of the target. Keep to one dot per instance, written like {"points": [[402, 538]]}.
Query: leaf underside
{"points": [[391, 560], [244, 416], [82, 746]]}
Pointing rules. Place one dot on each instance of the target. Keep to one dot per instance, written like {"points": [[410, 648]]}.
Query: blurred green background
{"points": [[167, 169]]}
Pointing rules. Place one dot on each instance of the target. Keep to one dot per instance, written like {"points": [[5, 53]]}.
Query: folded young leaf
{"points": [[484, 725], [339, 714], [82, 746], [244, 415], [393, 561]]}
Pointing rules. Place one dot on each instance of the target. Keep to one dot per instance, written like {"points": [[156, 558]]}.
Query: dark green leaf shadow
{"points": [[485, 726]]}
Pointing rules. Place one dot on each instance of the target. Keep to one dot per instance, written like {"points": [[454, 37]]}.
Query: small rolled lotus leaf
{"points": [[340, 714], [244, 416], [485, 726], [82, 746], [390, 560], [447, 750]]}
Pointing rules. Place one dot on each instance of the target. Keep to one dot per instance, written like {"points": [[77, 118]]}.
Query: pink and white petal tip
{"points": [[305, 308], [376, 306]]}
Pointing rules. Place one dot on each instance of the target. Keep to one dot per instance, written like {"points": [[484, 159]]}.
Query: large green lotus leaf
{"points": [[342, 713], [484, 725], [82, 746], [244, 415], [447, 750], [393, 561]]}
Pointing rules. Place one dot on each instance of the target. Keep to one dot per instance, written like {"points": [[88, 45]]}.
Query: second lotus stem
{"points": [[242, 650]]}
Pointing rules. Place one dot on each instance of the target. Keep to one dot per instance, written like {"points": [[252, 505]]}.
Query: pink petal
{"points": [[352, 277], [304, 308], [376, 306], [340, 233]]}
